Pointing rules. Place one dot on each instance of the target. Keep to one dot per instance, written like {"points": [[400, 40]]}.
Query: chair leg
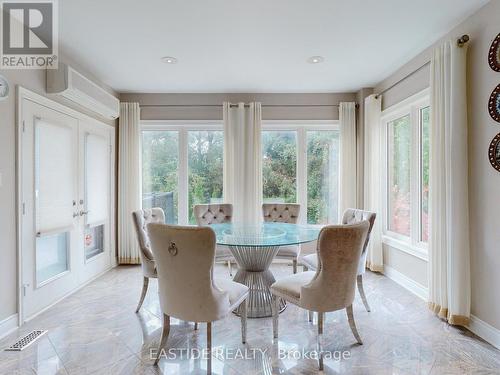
{"points": [[243, 316], [304, 268], [275, 309], [230, 268], [143, 293], [195, 326], [294, 265], [320, 336], [350, 317], [164, 336], [361, 291], [209, 347], [310, 315]]}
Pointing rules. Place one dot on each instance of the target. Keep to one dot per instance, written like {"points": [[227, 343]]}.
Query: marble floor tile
{"points": [[96, 331]]}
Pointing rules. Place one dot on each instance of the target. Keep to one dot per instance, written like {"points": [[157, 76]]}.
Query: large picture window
{"points": [[301, 165], [407, 181], [182, 165]]}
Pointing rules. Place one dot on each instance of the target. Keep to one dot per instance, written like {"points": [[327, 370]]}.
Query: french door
{"points": [[65, 191]]}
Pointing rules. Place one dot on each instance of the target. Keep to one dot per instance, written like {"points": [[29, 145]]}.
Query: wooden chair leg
{"points": [[145, 284], [320, 336], [275, 310], [164, 337], [350, 317], [243, 316], [294, 265], [361, 291], [230, 268], [310, 315], [209, 347], [195, 326]]}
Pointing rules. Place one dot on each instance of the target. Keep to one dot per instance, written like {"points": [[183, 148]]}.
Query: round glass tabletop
{"points": [[264, 234]]}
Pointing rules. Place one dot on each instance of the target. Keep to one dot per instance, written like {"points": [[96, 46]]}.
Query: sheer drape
{"points": [[372, 181], [243, 161], [449, 253], [129, 181], [348, 159]]}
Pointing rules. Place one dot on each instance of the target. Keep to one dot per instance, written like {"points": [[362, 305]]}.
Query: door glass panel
{"points": [[94, 241], [322, 177], [279, 166], [205, 168], [160, 172], [96, 179], [51, 256]]}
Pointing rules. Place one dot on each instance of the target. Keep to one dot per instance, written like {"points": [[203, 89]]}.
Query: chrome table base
{"points": [[253, 263]]}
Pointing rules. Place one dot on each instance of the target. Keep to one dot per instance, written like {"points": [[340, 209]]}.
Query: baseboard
{"points": [[418, 289], [485, 331], [8, 325]]}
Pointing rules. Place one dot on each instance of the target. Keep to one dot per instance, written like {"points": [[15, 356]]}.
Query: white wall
{"points": [[484, 181], [33, 80]]}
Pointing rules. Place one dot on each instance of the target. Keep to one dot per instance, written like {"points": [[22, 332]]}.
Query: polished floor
{"points": [[95, 331]]}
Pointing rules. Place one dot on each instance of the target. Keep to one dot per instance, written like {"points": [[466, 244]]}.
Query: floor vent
{"points": [[26, 341]]}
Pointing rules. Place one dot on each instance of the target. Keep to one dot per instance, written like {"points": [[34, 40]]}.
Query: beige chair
{"points": [[331, 287], [141, 219], [208, 214], [186, 285], [283, 213], [351, 215]]}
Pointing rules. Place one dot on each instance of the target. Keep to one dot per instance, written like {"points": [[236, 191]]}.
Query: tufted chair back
{"points": [[353, 215], [184, 259], [206, 214], [339, 249], [141, 219], [281, 212]]}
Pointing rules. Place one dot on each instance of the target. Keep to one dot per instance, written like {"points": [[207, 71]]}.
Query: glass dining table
{"points": [[254, 247]]}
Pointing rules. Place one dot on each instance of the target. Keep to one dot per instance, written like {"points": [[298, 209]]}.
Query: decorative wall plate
{"points": [[494, 152], [494, 104], [494, 55]]}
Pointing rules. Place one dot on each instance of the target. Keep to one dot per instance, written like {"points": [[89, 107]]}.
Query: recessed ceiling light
{"points": [[169, 60], [315, 59]]}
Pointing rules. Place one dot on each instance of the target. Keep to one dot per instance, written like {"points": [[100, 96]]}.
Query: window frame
{"points": [[182, 127], [411, 106], [302, 127]]}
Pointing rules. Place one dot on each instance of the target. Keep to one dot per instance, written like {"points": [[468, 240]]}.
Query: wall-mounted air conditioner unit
{"points": [[72, 85]]}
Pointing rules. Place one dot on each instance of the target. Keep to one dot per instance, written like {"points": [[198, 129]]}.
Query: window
{"points": [[300, 165], [182, 165], [407, 181]]}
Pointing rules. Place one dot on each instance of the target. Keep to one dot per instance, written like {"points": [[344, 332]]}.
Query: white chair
{"points": [[351, 216], [283, 213], [331, 287], [208, 214], [186, 285], [141, 219]]}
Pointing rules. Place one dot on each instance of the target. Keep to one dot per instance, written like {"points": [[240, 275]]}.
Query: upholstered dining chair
{"points": [[208, 214], [351, 215], [141, 219], [331, 287], [283, 213], [186, 284]]}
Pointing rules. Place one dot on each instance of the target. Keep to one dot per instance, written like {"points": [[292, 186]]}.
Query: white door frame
{"points": [[22, 94]]}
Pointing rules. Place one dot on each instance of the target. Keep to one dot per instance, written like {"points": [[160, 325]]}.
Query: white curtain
{"points": [[372, 181], [129, 181], [348, 159], [243, 161], [449, 252]]}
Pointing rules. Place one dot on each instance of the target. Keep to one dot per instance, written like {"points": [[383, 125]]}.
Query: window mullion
{"points": [[302, 173], [183, 178], [414, 175]]}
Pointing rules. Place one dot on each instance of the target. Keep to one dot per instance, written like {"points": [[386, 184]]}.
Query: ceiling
{"points": [[251, 46]]}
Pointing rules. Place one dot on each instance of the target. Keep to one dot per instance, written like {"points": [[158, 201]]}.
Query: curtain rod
{"points": [[460, 42], [236, 105]]}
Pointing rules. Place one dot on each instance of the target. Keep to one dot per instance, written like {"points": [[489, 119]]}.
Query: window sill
{"points": [[406, 247]]}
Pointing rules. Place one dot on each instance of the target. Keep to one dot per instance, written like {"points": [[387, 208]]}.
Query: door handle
{"points": [[83, 213]]}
